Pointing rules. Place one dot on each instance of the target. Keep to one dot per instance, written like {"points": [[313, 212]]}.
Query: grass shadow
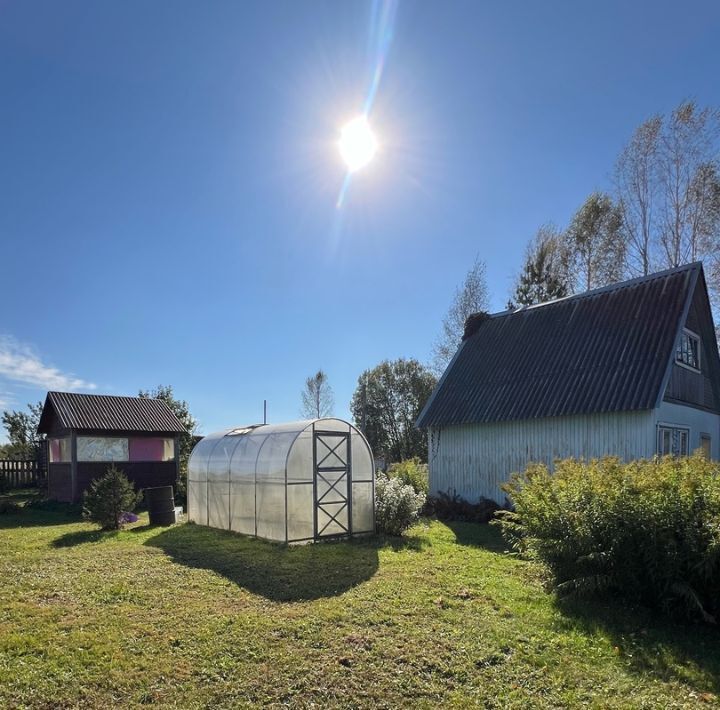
{"points": [[81, 537], [31, 517], [648, 642], [484, 535], [277, 572]]}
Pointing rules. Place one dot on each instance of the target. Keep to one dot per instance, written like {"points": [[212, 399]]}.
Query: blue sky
{"points": [[169, 173]]}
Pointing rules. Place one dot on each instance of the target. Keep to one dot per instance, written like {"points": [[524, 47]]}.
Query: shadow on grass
{"points": [[82, 537], [649, 643], [484, 535], [274, 571], [28, 516]]}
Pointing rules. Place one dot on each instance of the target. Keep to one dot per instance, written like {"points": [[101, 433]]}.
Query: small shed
{"points": [[86, 433], [293, 482]]}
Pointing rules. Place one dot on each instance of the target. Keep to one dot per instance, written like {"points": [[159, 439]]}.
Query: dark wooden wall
{"points": [[142, 474], [60, 482], [697, 388]]}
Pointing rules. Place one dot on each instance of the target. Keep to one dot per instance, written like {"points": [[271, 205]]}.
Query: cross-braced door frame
{"points": [[332, 447]]}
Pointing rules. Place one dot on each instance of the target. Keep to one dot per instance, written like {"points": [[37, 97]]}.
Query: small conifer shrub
{"points": [[109, 499]]}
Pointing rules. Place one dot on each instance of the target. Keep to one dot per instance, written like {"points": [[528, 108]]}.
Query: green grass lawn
{"points": [[194, 617]]}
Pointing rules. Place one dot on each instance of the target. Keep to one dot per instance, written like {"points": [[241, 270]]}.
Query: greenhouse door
{"points": [[331, 454]]}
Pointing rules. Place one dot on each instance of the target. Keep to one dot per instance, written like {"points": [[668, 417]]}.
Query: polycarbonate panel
{"points": [[332, 487], [362, 507], [198, 463], [244, 459], [300, 511], [272, 458], [242, 507], [270, 511], [362, 460], [333, 520], [300, 460], [219, 505], [331, 424], [219, 460], [331, 451], [197, 502]]}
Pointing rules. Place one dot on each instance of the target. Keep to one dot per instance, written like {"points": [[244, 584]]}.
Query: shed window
{"points": [[102, 448], [116, 448], [673, 441], [151, 449], [59, 450], [688, 351]]}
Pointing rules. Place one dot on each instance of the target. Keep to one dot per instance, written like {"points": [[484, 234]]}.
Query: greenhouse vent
{"points": [[292, 482]]}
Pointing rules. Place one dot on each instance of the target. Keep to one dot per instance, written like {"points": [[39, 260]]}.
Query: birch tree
{"points": [[637, 190], [596, 250], [689, 167], [471, 297], [317, 397]]}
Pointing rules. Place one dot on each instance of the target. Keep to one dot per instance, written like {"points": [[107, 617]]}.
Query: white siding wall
{"points": [[475, 459], [697, 420]]}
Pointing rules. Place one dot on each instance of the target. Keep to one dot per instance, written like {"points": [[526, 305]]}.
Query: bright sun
{"points": [[357, 143]]}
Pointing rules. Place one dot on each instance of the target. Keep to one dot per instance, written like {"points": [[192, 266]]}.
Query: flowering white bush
{"points": [[396, 505]]}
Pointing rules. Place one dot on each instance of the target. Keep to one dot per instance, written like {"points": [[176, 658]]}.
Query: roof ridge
{"points": [[97, 394], [615, 286]]}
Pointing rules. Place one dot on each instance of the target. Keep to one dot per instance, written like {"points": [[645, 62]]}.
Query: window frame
{"points": [[681, 429], [690, 335]]}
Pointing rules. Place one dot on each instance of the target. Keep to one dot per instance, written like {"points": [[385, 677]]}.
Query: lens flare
{"points": [[357, 144]]}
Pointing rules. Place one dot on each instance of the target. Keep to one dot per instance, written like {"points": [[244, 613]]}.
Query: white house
{"points": [[631, 370]]}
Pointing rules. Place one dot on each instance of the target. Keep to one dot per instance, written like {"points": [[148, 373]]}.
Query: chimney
{"points": [[473, 323]]}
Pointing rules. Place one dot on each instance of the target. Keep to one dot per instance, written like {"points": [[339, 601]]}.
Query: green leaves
{"points": [[647, 530]]}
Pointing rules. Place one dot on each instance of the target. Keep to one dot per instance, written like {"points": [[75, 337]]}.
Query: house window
{"points": [[705, 445], [688, 351], [673, 441]]}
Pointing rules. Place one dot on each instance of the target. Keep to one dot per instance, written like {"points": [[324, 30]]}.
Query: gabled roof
{"points": [[97, 412], [606, 350]]}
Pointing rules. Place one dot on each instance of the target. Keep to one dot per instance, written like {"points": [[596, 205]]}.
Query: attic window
{"points": [[688, 351]]}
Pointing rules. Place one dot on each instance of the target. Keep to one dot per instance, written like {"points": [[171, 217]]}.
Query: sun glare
{"points": [[357, 144]]}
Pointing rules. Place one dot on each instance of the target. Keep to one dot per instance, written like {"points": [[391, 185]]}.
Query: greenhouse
{"points": [[293, 482]]}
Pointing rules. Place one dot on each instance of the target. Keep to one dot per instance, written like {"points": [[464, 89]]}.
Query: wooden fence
{"points": [[19, 473]]}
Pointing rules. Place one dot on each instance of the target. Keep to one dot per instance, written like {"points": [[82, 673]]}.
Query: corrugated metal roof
{"points": [[606, 350], [109, 413]]}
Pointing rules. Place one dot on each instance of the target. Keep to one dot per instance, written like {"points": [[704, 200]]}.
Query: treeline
{"points": [[663, 210]]}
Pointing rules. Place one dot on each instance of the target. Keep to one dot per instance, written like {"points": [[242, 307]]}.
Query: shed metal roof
{"points": [[97, 412], [605, 350]]}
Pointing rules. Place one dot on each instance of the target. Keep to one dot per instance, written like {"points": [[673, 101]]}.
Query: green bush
{"points": [[396, 505], [648, 531], [412, 473], [108, 498]]}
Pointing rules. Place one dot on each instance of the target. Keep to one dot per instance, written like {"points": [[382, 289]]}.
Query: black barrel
{"points": [[161, 505]]}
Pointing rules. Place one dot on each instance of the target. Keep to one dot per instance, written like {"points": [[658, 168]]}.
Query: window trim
{"points": [[681, 363]]}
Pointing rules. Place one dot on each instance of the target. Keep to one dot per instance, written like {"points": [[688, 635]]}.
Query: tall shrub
{"points": [[648, 531], [412, 473], [108, 498], [397, 505]]}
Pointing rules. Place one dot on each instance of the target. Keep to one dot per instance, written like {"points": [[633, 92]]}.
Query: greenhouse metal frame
{"points": [[293, 482]]}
